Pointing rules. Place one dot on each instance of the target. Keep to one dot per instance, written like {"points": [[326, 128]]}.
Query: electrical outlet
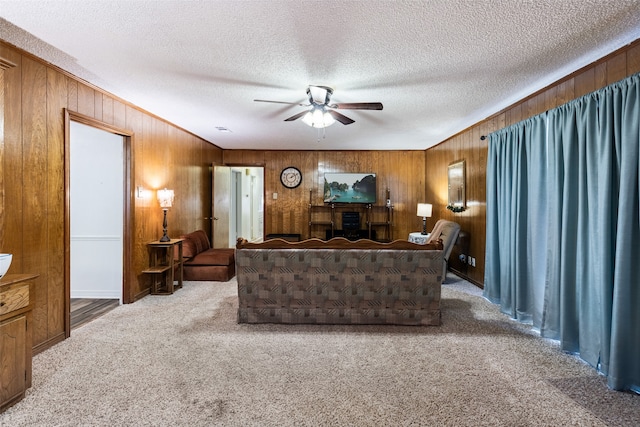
{"points": [[473, 262], [469, 260]]}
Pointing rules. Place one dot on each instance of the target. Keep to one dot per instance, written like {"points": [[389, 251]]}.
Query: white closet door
{"points": [[96, 208]]}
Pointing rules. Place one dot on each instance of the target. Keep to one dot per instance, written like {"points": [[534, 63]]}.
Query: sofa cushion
{"points": [[194, 243], [208, 273], [213, 257]]}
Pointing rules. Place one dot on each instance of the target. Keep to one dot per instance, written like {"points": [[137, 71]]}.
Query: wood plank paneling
{"points": [[98, 105], [72, 95], [565, 93], [107, 110], [585, 83], [600, 75], [616, 68], [35, 168], [119, 114], [633, 60], [86, 101]]}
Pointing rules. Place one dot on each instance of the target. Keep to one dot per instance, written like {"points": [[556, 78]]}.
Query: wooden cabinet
{"points": [[16, 303], [166, 266]]}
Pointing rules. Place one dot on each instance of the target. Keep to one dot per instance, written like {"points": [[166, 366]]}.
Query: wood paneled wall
{"points": [[467, 145], [402, 172], [32, 178]]}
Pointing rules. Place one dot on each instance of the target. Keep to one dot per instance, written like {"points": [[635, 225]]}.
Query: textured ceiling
{"points": [[437, 66]]}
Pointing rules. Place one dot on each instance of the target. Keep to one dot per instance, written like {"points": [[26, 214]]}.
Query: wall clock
{"points": [[290, 177]]}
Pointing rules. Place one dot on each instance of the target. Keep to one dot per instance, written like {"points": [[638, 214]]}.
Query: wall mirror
{"points": [[457, 175]]}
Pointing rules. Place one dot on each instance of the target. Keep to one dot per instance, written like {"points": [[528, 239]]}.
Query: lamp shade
{"points": [[425, 210], [165, 197]]}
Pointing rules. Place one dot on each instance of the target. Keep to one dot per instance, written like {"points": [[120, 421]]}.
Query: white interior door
{"points": [[221, 199], [96, 207]]}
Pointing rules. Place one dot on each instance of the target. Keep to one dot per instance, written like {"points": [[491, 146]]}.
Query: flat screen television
{"points": [[343, 187]]}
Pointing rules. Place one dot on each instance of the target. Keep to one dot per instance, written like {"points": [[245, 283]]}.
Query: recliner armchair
{"points": [[447, 231]]}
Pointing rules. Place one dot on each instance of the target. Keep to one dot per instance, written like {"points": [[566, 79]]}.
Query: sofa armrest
{"points": [[194, 243]]}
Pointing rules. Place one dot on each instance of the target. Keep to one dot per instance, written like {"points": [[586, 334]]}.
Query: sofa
{"points": [[339, 282], [204, 263]]}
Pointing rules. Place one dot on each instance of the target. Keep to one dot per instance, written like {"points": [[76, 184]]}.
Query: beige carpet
{"points": [[182, 360]]}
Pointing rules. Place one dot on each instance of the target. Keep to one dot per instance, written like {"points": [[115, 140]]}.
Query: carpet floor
{"points": [[182, 360]]}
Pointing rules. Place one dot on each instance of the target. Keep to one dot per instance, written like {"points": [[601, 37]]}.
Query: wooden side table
{"points": [[166, 266], [16, 302]]}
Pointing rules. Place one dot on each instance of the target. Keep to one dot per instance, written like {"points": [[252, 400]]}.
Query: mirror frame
{"points": [[456, 175]]}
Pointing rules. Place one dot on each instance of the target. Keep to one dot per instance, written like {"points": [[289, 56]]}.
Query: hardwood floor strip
{"points": [[84, 310]]}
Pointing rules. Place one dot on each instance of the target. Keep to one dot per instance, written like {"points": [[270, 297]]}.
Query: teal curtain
{"points": [[578, 236], [586, 293], [621, 125], [516, 212]]}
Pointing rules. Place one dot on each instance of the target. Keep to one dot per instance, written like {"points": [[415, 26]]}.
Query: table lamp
{"points": [[424, 210], [165, 197]]}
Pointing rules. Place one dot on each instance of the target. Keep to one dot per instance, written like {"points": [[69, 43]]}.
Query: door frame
{"points": [[264, 189], [128, 202]]}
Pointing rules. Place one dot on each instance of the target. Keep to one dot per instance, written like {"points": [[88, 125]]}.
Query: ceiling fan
{"points": [[322, 112]]}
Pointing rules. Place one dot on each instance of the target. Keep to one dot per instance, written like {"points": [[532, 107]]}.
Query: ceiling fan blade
{"points": [[282, 102], [340, 117], [296, 116], [358, 106]]}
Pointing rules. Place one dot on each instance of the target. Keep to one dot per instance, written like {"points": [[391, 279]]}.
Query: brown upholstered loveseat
{"points": [[204, 263], [339, 282]]}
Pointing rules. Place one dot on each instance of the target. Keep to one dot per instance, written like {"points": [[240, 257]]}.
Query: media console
{"points": [[376, 218]]}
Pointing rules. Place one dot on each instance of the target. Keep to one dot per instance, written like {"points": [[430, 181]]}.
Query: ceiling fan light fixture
{"points": [[318, 118]]}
